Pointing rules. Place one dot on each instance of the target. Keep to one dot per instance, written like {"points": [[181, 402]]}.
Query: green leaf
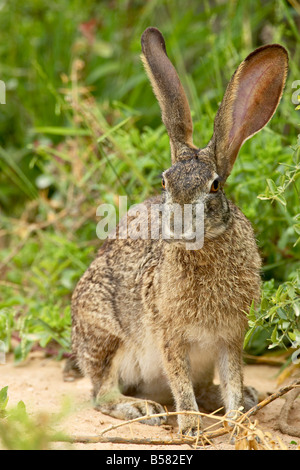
{"points": [[3, 398], [21, 406], [292, 335], [272, 185], [65, 131], [280, 199], [247, 337], [274, 335]]}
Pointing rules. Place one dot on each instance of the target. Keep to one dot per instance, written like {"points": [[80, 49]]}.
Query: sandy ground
{"points": [[38, 382]]}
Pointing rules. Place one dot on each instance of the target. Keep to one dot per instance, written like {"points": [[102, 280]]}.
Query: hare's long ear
{"points": [[173, 102], [249, 102]]}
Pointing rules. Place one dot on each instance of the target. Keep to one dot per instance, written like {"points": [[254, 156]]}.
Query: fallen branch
{"points": [[121, 440], [282, 391]]}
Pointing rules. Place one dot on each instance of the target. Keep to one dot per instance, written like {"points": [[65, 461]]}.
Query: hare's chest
{"points": [[207, 297]]}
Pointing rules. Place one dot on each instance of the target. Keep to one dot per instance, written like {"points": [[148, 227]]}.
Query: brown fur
{"points": [[153, 318]]}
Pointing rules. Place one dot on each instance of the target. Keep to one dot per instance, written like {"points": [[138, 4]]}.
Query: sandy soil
{"points": [[38, 382]]}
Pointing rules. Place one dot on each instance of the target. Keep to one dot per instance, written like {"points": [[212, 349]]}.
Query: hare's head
{"points": [[197, 175]]}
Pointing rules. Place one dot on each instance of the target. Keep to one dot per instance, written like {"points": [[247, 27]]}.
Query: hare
{"points": [[153, 318]]}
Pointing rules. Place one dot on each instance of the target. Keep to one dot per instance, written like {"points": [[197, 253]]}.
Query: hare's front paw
{"points": [[189, 425], [128, 408]]}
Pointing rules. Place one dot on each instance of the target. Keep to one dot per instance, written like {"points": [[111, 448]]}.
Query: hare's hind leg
{"points": [[71, 370], [100, 355]]}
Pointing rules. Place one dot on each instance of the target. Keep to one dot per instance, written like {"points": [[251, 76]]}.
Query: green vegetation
{"points": [[81, 127], [21, 431]]}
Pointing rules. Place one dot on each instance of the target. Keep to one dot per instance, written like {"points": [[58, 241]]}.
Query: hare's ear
{"points": [[173, 102], [250, 101]]}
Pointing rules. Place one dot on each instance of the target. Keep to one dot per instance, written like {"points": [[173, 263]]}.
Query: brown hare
{"points": [[151, 317]]}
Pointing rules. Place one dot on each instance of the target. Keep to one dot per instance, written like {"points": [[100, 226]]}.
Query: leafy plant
{"points": [[20, 431], [3, 401], [279, 311]]}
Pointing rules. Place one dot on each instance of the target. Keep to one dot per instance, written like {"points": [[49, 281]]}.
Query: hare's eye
{"points": [[215, 186], [163, 183]]}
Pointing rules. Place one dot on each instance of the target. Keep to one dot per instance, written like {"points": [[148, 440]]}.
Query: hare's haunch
{"points": [[152, 317]]}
